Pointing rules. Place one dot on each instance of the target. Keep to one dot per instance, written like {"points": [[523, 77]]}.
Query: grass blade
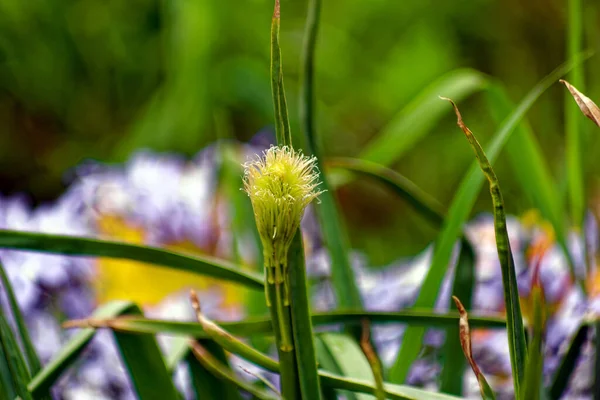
{"points": [[348, 357], [32, 359], [282, 124], [465, 343], [145, 364], [301, 322], [567, 366], [342, 274], [397, 392], [371, 355], [43, 381], [211, 364], [7, 391], [405, 188], [77, 246], [15, 362], [457, 215], [454, 363], [574, 157], [532, 172], [534, 369], [255, 326], [514, 319], [206, 385], [328, 379], [420, 116]]}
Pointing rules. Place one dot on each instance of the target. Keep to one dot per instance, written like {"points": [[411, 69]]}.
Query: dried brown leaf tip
{"points": [[276, 11], [465, 342], [459, 120], [586, 105]]}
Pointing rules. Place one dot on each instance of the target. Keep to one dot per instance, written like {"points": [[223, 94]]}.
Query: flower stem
{"points": [[282, 328]]}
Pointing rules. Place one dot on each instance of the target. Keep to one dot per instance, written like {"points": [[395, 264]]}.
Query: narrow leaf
{"points": [[405, 188], [569, 362], [14, 360], [205, 384], [454, 363], [224, 338], [301, 321], [331, 380], [465, 342], [32, 359], [457, 215], [334, 234], [255, 326], [211, 364], [514, 319], [534, 367], [420, 116], [145, 364], [77, 246], [71, 351], [532, 172], [586, 105], [282, 125], [348, 357], [373, 359]]}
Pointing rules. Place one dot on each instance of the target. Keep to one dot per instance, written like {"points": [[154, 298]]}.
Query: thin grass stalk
{"points": [[573, 125], [343, 279], [306, 358], [514, 320], [281, 319]]}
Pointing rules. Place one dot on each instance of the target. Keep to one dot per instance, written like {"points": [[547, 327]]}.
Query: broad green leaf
{"points": [[454, 363], [399, 392], [301, 321], [78, 246], [255, 326], [421, 115], [328, 363], [206, 386], [349, 358], [32, 359], [531, 170], [15, 363], [406, 189], [227, 377], [458, 213], [464, 335], [144, 361], [514, 319], [71, 351], [564, 371]]}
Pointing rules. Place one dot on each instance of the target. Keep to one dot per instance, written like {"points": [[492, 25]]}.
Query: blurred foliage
{"points": [[101, 78]]}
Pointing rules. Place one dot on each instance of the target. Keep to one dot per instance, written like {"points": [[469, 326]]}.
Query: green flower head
{"points": [[280, 185]]}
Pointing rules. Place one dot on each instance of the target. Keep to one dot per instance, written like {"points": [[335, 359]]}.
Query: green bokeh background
{"points": [[99, 79]]}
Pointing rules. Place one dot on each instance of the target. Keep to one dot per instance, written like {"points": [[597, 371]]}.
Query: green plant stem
{"points": [[281, 319], [301, 321], [572, 117]]}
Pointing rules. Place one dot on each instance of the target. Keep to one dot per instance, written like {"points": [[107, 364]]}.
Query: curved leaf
{"points": [[420, 116], [78, 246], [458, 213]]}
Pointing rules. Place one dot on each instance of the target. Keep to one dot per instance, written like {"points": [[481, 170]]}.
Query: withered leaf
{"points": [[586, 105]]}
